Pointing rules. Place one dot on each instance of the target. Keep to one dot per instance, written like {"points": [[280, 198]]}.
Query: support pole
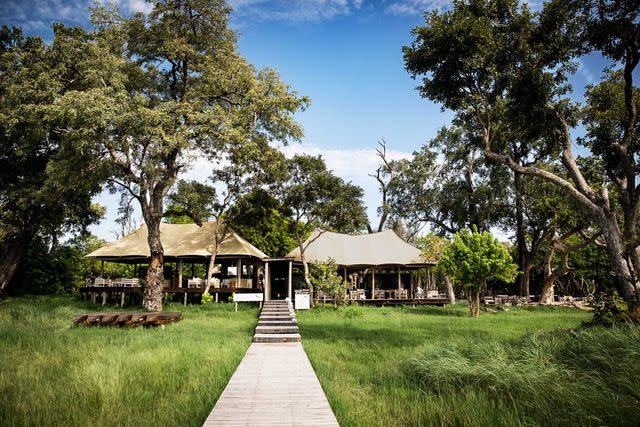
{"points": [[373, 283], [290, 281], [267, 282], [399, 279], [102, 268], [238, 272], [121, 298], [185, 299], [179, 273]]}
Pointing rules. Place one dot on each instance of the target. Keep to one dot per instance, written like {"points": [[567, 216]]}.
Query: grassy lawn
{"points": [[54, 374], [435, 366]]}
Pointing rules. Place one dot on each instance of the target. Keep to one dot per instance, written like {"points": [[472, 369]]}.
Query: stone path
{"points": [[275, 384]]}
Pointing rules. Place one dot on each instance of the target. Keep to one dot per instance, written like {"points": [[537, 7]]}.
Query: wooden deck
{"points": [[404, 301], [274, 385]]}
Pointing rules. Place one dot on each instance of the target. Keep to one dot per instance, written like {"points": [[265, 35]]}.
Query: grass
{"points": [[55, 374], [436, 366]]}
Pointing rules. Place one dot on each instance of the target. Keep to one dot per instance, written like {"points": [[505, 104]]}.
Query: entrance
{"points": [[279, 273]]}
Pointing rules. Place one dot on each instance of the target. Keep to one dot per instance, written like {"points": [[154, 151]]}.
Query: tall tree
{"points": [[385, 176], [448, 185], [265, 222], [48, 173], [188, 93], [321, 200], [508, 70]]}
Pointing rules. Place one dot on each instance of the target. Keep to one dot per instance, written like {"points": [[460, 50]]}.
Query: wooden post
{"points": [[267, 282], [373, 283], [238, 272], [290, 281], [179, 273], [399, 279], [104, 298], [185, 299], [121, 298], [411, 284]]}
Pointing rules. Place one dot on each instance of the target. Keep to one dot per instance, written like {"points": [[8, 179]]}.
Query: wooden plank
{"points": [[273, 385], [127, 319]]}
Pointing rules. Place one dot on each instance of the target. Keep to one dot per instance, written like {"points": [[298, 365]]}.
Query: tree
{"points": [[448, 185], [433, 247], [48, 172], [325, 277], [385, 175], [265, 222], [506, 73], [321, 200], [187, 92], [472, 260]]}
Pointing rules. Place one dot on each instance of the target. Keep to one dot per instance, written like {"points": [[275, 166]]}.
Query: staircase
{"points": [[277, 323]]}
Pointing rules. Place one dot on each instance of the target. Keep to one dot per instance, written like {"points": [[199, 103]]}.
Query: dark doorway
{"points": [[279, 273]]}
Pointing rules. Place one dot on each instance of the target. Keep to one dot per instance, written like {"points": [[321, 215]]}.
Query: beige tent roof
{"points": [[178, 240], [379, 249]]}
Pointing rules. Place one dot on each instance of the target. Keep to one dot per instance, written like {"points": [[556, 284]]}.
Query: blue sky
{"points": [[344, 54]]}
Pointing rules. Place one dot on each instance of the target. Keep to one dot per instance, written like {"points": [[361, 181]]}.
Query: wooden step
{"points": [[277, 318], [275, 338], [277, 329], [277, 323]]}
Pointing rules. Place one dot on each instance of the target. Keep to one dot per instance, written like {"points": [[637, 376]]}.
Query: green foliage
{"points": [[432, 246], [265, 222], [473, 259], [324, 277], [206, 299], [353, 312], [322, 199], [611, 310], [48, 173]]}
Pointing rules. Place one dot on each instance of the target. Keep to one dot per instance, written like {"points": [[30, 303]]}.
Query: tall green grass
{"points": [[55, 374], [436, 366]]}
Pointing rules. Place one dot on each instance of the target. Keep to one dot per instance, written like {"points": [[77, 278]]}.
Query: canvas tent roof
{"points": [[376, 249], [187, 241]]}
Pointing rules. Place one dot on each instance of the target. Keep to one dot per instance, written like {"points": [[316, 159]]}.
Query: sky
{"points": [[346, 55]]}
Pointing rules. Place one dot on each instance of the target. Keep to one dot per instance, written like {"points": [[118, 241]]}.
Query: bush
{"points": [[324, 277], [611, 310], [206, 299]]}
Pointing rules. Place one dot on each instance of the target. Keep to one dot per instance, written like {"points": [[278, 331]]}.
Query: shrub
{"points": [[206, 299]]}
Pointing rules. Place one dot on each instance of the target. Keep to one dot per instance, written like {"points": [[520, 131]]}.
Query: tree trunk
{"points": [[548, 284], [152, 297], [525, 278], [212, 264], [521, 243], [305, 267], [450, 293], [625, 277], [11, 252], [474, 303]]}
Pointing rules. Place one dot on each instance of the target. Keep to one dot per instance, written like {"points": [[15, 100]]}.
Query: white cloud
{"points": [[418, 7], [294, 10]]}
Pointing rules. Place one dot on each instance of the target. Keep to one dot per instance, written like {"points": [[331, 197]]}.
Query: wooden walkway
{"points": [[274, 385]]}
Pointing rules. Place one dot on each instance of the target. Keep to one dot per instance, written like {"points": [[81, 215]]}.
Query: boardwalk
{"points": [[274, 384]]}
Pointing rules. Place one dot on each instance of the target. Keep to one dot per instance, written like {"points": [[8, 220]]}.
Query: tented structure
{"points": [[377, 265], [188, 242], [384, 249]]}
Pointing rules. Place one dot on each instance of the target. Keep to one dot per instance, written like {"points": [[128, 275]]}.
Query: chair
{"points": [[99, 281], [402, 294], [432, 294], [131, 283], [419, 293], [195, 283]]}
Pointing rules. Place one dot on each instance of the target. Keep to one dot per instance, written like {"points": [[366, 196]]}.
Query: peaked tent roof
{"points": [[379, 249], [179, 241]]}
